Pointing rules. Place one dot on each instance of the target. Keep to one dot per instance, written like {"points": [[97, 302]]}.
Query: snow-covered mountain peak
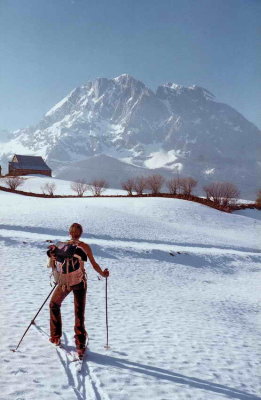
{"points": [[98, 95], [202, 91], [193, 91], [122, 118], [172, 85], [127, 79]]}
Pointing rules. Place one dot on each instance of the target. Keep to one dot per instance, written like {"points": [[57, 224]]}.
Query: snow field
{"points": [[181, 326], [35, 183]]}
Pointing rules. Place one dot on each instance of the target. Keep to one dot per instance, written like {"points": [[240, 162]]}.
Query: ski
{"points": [[79, 364], [70, 355], [73, 357], [81, 357]]}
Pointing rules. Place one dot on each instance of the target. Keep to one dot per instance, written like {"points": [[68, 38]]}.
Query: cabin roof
{"points": [[29, 162]]}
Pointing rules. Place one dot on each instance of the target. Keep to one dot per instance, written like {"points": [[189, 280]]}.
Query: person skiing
{"points": [[67, 260]]}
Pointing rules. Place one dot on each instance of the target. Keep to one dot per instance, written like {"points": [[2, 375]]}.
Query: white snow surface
{"points": [[160, 159], [183, 294], [36, 184]]}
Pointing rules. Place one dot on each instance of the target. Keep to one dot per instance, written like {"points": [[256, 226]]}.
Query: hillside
{"points": [[183, 300]]}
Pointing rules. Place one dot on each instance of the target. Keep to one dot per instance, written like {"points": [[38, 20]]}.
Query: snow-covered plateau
{"points": [[183, 300]]}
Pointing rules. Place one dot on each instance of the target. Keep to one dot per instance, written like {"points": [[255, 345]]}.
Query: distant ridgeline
{"points": [[174, 129]]}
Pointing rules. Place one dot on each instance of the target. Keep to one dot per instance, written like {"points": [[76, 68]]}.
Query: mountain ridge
{"points": [[178, 128]]}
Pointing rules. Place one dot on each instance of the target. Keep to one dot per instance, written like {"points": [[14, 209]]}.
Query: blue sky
{"points": [[48, 47]]}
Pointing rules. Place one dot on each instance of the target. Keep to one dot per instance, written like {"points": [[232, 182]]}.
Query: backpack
{"points": [[68, 268]]}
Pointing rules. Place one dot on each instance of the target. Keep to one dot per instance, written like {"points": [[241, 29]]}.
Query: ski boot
{"points": [[80, 352], [55, 340]]}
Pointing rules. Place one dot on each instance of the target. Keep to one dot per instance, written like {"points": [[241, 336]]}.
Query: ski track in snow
{"points": [[84, 384], [184, 320]]}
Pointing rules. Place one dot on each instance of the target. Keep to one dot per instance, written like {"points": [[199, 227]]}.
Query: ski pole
{"points": [[32, 322], [106, 303]]}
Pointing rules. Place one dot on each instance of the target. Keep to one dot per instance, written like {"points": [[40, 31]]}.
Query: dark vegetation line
{"points": [[193, 198]]}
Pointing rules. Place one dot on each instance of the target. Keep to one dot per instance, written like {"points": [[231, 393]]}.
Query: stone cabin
{"points": [[27, 165]]}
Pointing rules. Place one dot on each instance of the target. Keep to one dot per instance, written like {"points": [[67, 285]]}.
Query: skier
{"points": [[67, 260]]}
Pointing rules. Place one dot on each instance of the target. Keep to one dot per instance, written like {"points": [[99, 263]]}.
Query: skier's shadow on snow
{"points": [[77, 383], [166, 375], [79, 387]]}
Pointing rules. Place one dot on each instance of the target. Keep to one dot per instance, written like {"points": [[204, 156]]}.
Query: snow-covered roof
{"points": [[29, 162]]}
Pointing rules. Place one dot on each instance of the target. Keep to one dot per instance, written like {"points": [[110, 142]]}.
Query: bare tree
{"points": [[98, 186], [222, 193], [155, 183], [49, 188], [174, 185], [129, 186], [140, 184], [14, 181], [187, 185], [80, 187], [230, 193], [213, 192], [258, 199]]}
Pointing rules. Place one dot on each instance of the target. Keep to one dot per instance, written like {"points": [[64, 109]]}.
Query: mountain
{"points": [[176, 128], [112, 170]]}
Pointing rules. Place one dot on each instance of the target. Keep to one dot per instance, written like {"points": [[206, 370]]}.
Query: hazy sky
{"points": [[48, 47]]}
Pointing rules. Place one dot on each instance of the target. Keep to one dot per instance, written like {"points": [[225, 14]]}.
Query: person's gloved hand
{"points": [[106, 273]]}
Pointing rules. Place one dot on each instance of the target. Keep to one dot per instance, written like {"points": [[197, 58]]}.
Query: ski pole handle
{"points": [[106, 272]]}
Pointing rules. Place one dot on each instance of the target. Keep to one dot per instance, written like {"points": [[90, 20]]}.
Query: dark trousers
{"points": [[79, 292]]}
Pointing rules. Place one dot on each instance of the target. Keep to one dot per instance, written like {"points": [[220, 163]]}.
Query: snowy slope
{"points": [[181, 326], [112, 170], [176, 128], [36, 184]]}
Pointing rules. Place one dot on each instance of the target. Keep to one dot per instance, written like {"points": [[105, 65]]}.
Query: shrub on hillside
{"points": [[258, 199], [129, 186], [222, 193], [13, 182], [155, 183], [49, 188], [187, 185], [98, 186], [174, 185], [80, 187], [140, 184]]}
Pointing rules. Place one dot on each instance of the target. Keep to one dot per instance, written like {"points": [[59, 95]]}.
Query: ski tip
{"points": [[81, 357]]}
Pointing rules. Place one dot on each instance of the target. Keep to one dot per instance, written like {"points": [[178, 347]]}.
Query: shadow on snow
{"points": [[166, 375]]}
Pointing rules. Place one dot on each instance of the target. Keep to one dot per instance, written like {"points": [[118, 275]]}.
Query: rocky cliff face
{"points": [[177, 128]]}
